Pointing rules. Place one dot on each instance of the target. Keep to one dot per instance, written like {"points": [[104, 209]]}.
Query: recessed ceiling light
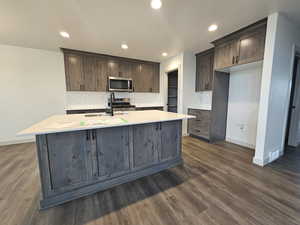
{"points": [[156, 4], [164, 54], [213, 27], [124, 46], [64, 34]]}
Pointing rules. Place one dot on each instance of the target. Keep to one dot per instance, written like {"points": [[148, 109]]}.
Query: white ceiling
{"points": [[102, 25]]}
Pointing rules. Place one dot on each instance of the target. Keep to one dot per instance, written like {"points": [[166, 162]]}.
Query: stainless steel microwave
{"points": [[120, 84]]}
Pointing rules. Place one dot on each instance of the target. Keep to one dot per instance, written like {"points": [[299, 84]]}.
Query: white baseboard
{"points": [[237, 142], [273, 155], [17, 141]]}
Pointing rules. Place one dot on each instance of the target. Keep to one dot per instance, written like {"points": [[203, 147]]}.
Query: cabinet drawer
{"points": [[199, 133], [200, 126]]}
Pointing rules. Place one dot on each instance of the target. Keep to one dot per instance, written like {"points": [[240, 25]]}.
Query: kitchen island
{"points": [[81, 154]]}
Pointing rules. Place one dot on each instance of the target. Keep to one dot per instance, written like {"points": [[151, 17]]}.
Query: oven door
{"points": [[120, 84]]}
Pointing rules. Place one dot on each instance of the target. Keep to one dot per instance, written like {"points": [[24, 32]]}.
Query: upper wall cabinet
{"points": [[251, 46], [204, 70], [74, 72], [146, 77], [89, 71], [225, 54], [241, 47]]}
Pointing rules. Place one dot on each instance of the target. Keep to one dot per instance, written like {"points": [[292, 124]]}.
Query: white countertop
{"points": [[74, 122], [89, 107]]}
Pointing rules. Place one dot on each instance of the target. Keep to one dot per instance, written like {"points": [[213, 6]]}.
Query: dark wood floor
{"points": [[216, 185]]}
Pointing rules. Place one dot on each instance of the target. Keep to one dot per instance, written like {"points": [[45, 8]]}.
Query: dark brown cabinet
{"points": [[146, 141], [89, 71], [251, 47], [204, 70], [77, 163], [113, 69], [225, 54], [170, 140], [241, 47], [74, 72], [125, 69], [112, 151], [68, 160], [94, 73], [146, 77], [200, 126]]}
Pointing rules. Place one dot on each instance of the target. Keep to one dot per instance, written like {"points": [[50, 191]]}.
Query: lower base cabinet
{"points": [[200, 127], [112, 145], [75, 164]]}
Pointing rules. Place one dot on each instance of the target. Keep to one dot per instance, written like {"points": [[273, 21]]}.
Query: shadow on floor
{"points": [[98, 205], [289, 162]]}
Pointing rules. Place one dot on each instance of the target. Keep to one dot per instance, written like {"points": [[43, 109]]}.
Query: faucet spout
{"points": [[112, 99]]}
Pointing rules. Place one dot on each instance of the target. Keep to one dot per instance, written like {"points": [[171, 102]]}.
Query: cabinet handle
{"points": [[93, 134], [233, 59], [87, 135], [237, 60], [81, 87]]}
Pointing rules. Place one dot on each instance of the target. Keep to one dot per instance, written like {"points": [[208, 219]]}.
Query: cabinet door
{"points": [[74, 72], [146, 141], [146, 77], [95, 73], [101, 73], [170, 140], [200, 126], [252, 47], [90, 72], [138, 82], [113, 151], [126, 69], [113, 67], [68, 160], [156, 78], [204, 72], [225, 54]]}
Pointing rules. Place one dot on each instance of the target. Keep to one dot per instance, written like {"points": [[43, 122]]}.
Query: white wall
{"points": [[185, 62], [191, 98], [166, 66], [282, 35], [243, 102], [32, 88]]}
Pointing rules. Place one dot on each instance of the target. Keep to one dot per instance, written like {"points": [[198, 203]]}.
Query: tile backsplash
{"points": [[91, 100]]}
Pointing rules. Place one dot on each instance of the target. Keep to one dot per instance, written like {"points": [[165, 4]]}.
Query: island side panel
{"points": [[43, 162], [171, 133]]}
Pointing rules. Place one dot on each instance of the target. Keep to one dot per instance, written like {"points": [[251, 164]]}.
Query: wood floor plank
{"points": [[216, 185]]}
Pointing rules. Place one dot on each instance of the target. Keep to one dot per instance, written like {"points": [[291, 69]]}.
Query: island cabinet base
{"points": [[79, 163]]}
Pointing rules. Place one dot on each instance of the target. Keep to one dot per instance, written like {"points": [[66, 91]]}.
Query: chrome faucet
{"points": [[112, 99]]}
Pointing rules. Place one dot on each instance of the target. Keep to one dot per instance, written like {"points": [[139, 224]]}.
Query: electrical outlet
{"points": [[273, 155], [241, 127]]}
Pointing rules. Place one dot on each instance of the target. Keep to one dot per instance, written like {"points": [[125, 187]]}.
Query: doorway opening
{"points": [[292, 137], [172, 91], [290, 161]]}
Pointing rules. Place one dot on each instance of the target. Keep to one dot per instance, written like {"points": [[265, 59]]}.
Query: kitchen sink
{"points": [[105, 114]]}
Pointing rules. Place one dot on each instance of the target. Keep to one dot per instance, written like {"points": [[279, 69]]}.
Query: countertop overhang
{"points": [[77, 122]]}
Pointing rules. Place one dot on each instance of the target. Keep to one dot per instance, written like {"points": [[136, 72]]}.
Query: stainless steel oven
{"points": [[120, 84]]}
